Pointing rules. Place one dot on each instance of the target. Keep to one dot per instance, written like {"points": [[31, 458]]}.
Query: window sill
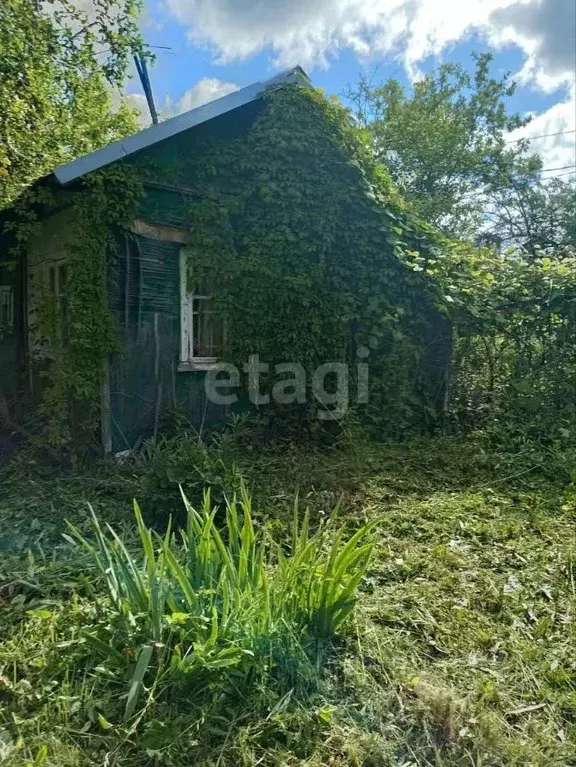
{"points": [[199, 363]]}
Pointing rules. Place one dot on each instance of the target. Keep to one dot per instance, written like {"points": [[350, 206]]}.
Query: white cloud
{"points": [[557, 151], [205, 90], [138, 100], [546, 31], [311, 32]]}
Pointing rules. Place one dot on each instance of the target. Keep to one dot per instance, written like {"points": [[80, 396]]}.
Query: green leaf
{"points": [[41, 756], [104, 723], [136, 682]]}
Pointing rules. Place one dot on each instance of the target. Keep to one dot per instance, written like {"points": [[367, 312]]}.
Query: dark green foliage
{"points": [[71, 399], [60, 62], [189, 462], [444, 142], [209, 608], [538, 216], [511, 304], [297, 233], [68, 357], [514, 364], [310, 255]]}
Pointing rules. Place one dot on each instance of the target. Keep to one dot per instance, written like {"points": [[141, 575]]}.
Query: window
{"points": [[6, 308], [202, 332], [57, 280]]}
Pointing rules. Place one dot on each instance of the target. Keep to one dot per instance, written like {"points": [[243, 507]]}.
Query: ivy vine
{"points": [[297, 233], [71, 359]]}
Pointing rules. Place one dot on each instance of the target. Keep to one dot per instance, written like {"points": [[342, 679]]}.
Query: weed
{"points": [[186, 461], [218, 607]]}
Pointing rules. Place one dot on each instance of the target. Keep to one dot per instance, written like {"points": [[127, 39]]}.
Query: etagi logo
{"points": [[329, 385]]}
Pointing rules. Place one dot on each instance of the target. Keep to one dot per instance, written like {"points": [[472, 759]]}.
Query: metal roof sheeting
{"points": [[156, 133]]}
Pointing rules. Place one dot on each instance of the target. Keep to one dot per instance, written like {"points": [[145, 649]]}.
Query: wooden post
{"points": [[157, 378], [105, 410]]}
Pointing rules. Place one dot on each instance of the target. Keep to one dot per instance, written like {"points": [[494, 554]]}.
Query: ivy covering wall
{"points": [[301, 240], [309, 254], [298, 234], [70, 340]]}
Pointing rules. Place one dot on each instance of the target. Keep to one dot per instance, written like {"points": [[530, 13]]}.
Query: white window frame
{"points": [[7, 300], [188, 360], [60, 290], [55, 266]]}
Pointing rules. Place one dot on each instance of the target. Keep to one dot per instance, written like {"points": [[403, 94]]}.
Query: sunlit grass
{"points": [[460, 650]]}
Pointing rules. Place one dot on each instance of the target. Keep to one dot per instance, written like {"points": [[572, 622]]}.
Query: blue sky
{"points": [[218, 45]]}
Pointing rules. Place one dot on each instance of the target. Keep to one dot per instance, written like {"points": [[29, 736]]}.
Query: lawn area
{"points": [[461, 650]]}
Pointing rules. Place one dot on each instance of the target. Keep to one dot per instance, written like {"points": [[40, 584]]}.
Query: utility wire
{"points": [[561, 167], [544, 135]]}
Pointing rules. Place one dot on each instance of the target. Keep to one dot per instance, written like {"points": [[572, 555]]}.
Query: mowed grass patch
{"points": [[461, 651], [469, 617]]}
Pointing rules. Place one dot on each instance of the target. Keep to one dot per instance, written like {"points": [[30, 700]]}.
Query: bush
{"points": [[185, 461], [203, 607]]}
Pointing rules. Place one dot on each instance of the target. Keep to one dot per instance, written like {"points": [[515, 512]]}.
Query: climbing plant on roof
{"points": [[298, 233]]}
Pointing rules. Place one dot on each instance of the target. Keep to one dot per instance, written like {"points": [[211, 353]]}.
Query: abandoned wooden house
{"points": [[168, 330]]}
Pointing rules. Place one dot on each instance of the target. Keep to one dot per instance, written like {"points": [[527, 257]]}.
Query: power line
{"points": [[544, 135], [561, 167]]}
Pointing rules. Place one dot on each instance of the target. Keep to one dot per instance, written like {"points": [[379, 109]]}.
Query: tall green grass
{"points": [[203, 606]]}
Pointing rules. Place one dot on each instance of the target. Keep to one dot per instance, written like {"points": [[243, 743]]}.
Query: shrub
{"points": [[187, 461], [202, 607]]}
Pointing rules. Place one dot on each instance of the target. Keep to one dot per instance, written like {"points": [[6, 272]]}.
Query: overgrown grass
{"points": [[207, 607], [461, 651]]}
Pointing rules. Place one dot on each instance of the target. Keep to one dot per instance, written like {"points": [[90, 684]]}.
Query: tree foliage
{"points": [[514, 361], [444, 143], [537, 216], [60, 70], [304, 241], [511, 299]]}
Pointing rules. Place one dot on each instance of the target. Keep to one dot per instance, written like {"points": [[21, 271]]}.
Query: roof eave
{"points": [[172, 127]]}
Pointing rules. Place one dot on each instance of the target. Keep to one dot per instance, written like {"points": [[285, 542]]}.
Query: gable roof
{"points": [[172, 127]]}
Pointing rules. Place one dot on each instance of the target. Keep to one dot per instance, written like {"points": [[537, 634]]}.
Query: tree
{"points": [[445, 144], [539, 217], [61, 68]]}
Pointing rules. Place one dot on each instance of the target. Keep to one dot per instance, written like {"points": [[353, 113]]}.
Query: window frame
{"points": [[56, 282], [188, 360], [7, 300]]}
